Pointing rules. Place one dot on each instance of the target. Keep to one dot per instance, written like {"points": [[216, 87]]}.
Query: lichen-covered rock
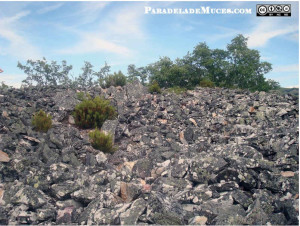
{"points": [[207, 156], [109, 127], [29, 196], [131, 215]]}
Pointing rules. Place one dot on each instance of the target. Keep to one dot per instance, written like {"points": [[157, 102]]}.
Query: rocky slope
{"points": [[208, 156]]}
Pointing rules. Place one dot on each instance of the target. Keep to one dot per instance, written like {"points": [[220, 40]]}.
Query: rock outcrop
{"points": [[207, 156]]}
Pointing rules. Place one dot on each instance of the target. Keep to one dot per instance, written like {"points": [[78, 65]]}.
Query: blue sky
{"points": [[120, 33]]}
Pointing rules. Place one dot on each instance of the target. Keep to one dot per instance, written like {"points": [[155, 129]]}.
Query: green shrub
{"points": [[41, 121], [176, 89], [92, 113], [80, 96], [116, 79], [154, 87], [207, 83], [83, 96], [102, 141]]}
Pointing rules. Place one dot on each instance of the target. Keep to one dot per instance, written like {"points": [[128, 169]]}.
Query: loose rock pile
{"points": [[208, 156]]}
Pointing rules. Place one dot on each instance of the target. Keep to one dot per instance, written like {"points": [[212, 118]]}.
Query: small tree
{"points": [[160, 70], [44, 73], [102, 74], [246, 71], [134, 73], [85, 80]]}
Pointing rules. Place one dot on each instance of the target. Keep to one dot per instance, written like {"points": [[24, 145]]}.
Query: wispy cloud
{"points": [[286, 80], [287, 68], [124, 21], [267, 30], [224, 33], [89, 12], [50, 8], [118, 29], [90, 43], [293, 86], [18, 46], [9, 20]]}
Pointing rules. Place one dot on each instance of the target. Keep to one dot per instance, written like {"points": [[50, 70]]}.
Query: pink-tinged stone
{"points": [[124, 191], [287, 173], [65, 215], [162, 121], [1, 194], [251, 109], [147, 187], [4, 157], [182, 139], [5, 114], [193, 121], [128, 191]]}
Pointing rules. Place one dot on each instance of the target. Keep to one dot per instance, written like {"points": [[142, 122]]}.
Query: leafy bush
{"points": [[92, 113], [154, 87], [116, 79], [41, 121], [102, 141], [207, 83]]}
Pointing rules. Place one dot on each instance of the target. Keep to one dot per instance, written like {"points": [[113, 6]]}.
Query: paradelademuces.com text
{"points": [[200, 10]]}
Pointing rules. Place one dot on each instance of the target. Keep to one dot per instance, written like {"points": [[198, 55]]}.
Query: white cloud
{"points": [[89, 12], [118, 29], [9, 20], [92, 6], [126, 21], [50, 8], [293, 86], [268, 29], [18, 46], [235, 4], [90, 43], [287, 68]]}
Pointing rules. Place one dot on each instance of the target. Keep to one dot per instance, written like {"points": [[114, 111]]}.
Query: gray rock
{"points": [[64, 190], [66, 100], [213, 156], [29, 196], [131, 216], [142, 168], [135, 90], [109, 127], [189, 134], [45, 214], [242, 198], [3, 216]]}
